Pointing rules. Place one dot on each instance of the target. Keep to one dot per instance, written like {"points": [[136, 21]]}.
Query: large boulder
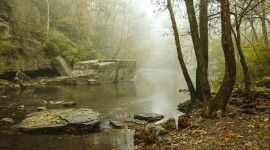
{"points": [[61, 120], [83, 76], [107, 72], [103, 71], [126, 70], [90, 64]]}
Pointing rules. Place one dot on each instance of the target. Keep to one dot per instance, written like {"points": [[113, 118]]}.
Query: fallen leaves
{"points": [[241, 132], [248, 144]]}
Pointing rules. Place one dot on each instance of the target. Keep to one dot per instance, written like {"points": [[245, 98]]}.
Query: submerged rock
{"points": [[61, 120], [150, 117], [6, 121]]}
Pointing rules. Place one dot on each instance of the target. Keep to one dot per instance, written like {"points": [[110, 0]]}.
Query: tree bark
{"points": [[48, 18], [180, 55], [264, 29], [216, 106], [254, 33], [201, 50], [237, 37]]}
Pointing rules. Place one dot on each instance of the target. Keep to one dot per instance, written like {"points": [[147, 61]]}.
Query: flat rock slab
{"points": [[149, 117], [117, 124], [136, 121], [60, 120]]}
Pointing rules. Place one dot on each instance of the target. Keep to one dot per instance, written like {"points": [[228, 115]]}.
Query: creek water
{"points": [[153, 90]]}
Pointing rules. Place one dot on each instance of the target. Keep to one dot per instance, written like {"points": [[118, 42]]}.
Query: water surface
{"points": [[154, 91]]}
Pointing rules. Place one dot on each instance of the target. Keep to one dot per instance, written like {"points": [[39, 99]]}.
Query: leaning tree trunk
{"points": [[191, 88], [243, 63], [202, 83], [237, 37], [216, 106]]}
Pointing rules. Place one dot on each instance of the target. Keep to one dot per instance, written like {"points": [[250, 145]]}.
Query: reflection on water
{"points": [[153, 91]]}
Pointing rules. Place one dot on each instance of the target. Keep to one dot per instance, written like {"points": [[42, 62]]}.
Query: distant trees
{"points": [[95, 28]]}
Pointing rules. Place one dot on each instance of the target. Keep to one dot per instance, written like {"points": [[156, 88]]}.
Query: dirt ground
{"points": [[248, 129]]}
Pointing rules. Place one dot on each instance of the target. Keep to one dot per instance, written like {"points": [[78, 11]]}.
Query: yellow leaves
{"points": [[248, 144], [197, 142], [217, 123], [239, 136], [251, 126], [266, 127], [266, 137], [221, 144], [226, 139], [266, 119], [198, 131], [135, 147], [231, 134]]}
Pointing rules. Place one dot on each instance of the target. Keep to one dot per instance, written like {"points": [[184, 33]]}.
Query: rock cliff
{"points": [[20, 50]]}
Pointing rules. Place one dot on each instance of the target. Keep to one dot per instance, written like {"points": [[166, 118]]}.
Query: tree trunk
{"points": [[264, 29], [237, 37], [254, 33], [201, 50], [180, 55], [216, 106], [48, 18]]}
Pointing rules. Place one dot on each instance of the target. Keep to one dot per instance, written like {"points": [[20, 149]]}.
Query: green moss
{"points": [[8, 48], [59, 44]]}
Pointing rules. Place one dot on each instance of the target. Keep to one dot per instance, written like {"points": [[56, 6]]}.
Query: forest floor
{"points": [[247, 128]]}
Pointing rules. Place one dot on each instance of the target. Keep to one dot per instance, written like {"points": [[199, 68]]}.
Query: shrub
{"points": [[59, 44]]}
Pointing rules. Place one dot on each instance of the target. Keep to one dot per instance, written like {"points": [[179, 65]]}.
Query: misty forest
{"points": [[134, 74]]}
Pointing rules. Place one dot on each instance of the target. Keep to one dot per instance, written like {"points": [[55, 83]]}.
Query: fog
{"points": [[159, 38]]}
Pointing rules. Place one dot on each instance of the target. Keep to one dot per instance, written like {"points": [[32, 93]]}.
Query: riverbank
{"points": [[243, 127]]}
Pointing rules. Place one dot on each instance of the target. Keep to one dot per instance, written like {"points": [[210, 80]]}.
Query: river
{"points": [[153, 90]]}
